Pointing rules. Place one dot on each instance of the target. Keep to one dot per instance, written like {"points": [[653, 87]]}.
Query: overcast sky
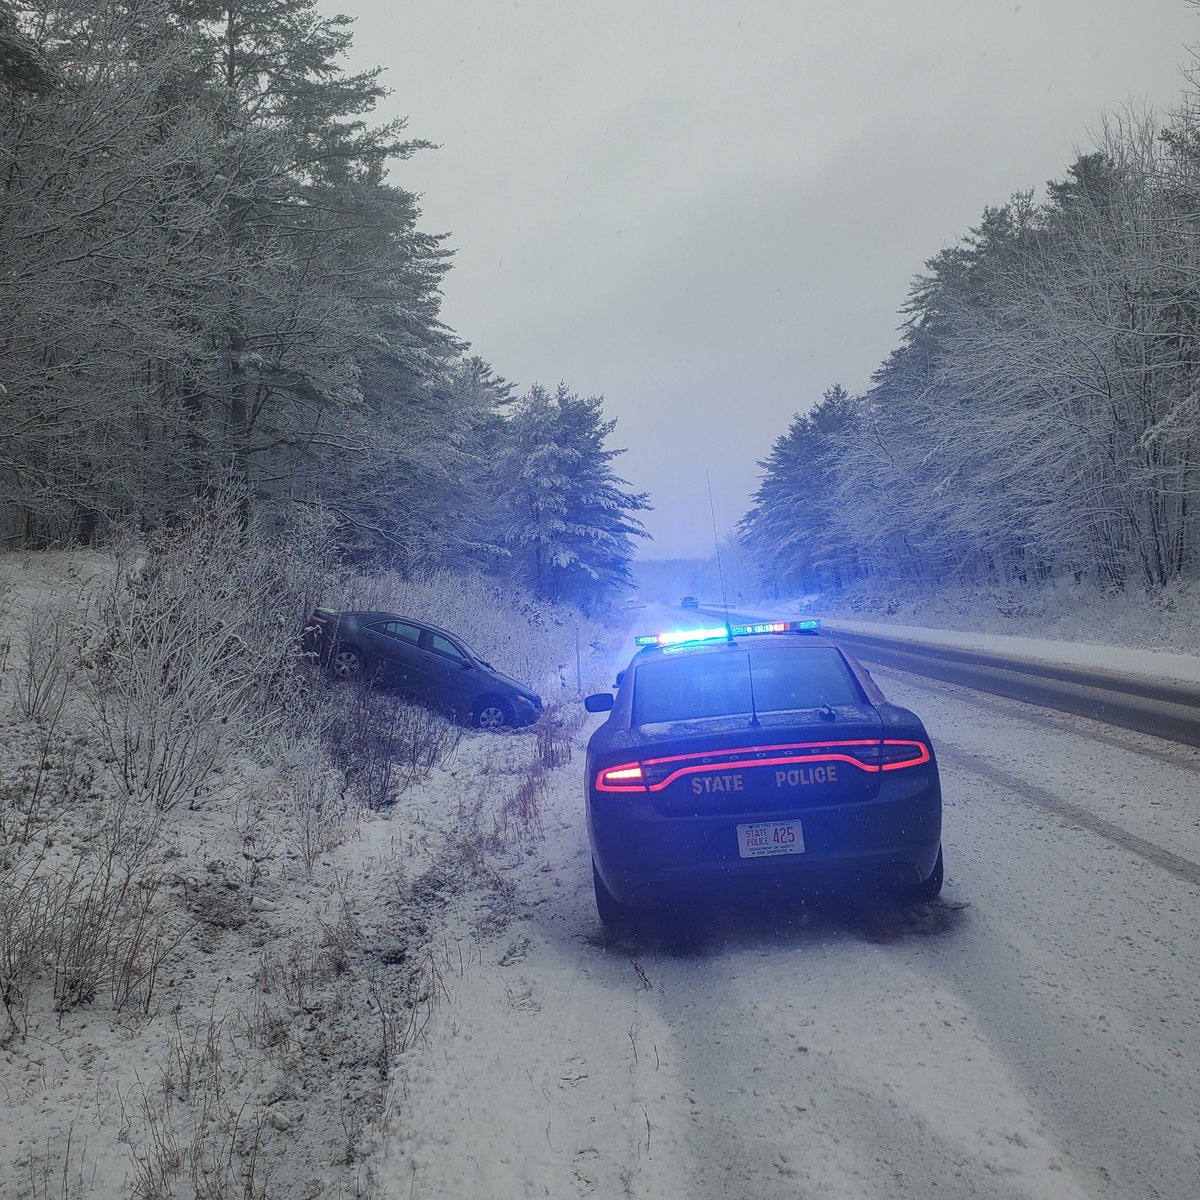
{"points": [[709, 212]]}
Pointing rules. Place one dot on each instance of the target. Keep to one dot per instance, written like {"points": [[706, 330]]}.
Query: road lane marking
{"points": [[1073, 814]]}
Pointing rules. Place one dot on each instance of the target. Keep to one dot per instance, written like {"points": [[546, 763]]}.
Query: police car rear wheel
{"points": [[611, 910], [931, 888]]}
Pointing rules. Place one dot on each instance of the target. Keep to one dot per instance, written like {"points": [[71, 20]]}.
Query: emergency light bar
{"points": [[678, 636]]}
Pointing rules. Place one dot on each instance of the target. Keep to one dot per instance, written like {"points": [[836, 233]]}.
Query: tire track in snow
{"points": [[814, 1062], [957, 756], [1081, 964], [1072, 814]]}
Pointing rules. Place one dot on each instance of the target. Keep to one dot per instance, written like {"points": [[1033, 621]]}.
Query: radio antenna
{"points": [[717, 546], [754, 721]]}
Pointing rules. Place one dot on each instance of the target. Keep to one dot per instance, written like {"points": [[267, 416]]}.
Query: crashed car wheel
{"points": [[490, 713], [346, 663]]}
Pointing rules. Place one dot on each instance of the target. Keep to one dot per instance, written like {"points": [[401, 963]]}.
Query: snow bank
{"points": [[1124, 660]]}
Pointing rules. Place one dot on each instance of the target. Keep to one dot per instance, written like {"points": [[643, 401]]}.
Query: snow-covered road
{"points": [[1035, 1033]]}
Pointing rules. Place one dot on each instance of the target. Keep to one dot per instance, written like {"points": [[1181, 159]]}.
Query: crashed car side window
{"points": [[401, 631], [716, 685], [445, 647]]}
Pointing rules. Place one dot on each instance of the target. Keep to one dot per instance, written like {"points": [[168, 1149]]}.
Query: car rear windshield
{"points": [[719, 684]]}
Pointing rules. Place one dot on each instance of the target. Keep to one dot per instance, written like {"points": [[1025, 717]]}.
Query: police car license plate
{"points": [[765, 838]]}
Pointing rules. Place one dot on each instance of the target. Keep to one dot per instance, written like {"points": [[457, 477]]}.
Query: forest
{"points": [[1038, 419], [212, 280]]}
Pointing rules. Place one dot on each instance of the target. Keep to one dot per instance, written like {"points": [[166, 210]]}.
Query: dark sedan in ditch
{"points": [[428, 664]]}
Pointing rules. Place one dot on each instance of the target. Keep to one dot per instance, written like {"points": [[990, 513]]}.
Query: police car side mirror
{"points": [[620, 677], [598, 702]]}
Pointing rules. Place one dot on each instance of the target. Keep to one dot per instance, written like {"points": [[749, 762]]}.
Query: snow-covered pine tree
{"points": [[325, 326], [794, 530], [206, 267], [570, 520]]}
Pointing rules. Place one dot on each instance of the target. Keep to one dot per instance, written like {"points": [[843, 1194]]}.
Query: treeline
{"points": [[1039, 417], [207, 277]]}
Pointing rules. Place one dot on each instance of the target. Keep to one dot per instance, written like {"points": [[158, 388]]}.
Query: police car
{"points": [[757, 753]]}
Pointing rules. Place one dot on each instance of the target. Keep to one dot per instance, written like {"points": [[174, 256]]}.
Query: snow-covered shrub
{"points": [[161, 707], [93, 925], [554, 739], [197, 1130], [46, 654], [382, 745], [199, 649], [45, 772], [317, 805], [80, 904], [520, 816], [5, 635]]}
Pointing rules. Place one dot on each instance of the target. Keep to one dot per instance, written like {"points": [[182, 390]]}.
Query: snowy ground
{"points": [[1125, 660], [301, 944], [280, 1022], [417, 1019], [1032, 1034]]}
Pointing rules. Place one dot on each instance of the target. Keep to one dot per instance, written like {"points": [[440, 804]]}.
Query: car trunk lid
{"points": [[728, 765]]}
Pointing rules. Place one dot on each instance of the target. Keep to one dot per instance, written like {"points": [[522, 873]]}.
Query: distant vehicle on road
{"points": [[689, 602], [426, 663], [756, 754]]}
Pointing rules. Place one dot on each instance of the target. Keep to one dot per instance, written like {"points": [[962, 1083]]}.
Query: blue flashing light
{"points": [[678, 637], [682, 635]]}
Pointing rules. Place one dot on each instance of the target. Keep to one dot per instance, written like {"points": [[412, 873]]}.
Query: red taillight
{"points": [[868, 756], [904, 754], [627, 777]]}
